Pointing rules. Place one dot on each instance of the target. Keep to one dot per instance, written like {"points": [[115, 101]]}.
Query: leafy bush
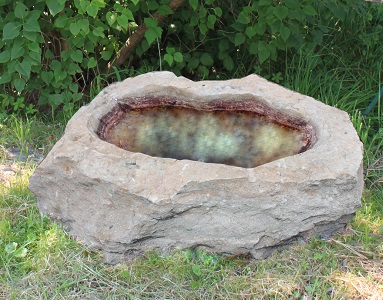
{"points": [[53, 50]]}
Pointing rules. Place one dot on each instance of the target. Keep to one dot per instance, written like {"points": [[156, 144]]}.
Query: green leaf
{"points": [[21, 11], [292, 4], [84, 4], [92, 63], [74, 28], [243, 18], [73, 87], [202, 28], [5, 78], [34, 47], [5, 56], [60, 75], [250, 31], [196, 270], [193, 21], [168, 58], [77, 96], [265, 2], [309, 10], [32, 26], [5, 102], [11, 66], [239, 38], [317, 36], [76, 56], [285, 33], [135, 2], [276, 26], [34, 58], [106, 55], [55, 65], [11, 30], [152, 4], [65, 54], [211, 19], [170, 50], [24, 69], [84, 26], [111, 18], [99, 3], [253, 48], [17, 51], [165, 10], [193, 4], [73, 69], [203, 71], [206, 59], [223, 45], [281, 12], [56, 99], [128, 13], [55, 6], [99, 31], [123, 21], [89, 46], [193, 63], [152, 34], [202, 12], [218, 11], [92, 10], [48, 54], [178, 57], [228, 63], [19, 84], [260, 28], [47, 76], [150, 23], [263, 52], [61, 21], [32, 36]]}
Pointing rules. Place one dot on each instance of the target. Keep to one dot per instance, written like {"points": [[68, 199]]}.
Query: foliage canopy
{"points": [[52, 51]]}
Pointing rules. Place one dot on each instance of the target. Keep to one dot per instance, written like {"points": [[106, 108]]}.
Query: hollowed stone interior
{"points": [[244, 133]]}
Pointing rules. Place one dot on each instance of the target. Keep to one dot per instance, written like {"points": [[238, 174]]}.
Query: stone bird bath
{"points": [[239, 167]]}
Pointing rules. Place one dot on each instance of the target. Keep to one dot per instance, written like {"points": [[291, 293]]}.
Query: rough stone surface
{"points": [[124, 202]]}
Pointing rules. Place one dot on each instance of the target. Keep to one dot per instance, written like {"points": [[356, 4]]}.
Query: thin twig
{"points": [[351, 249]]}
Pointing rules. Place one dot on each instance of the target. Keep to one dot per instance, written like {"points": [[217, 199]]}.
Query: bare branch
{"points": [[135, 39]]}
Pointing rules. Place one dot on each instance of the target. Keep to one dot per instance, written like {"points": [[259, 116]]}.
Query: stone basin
{"points": [[242, 132], [239, 167]]}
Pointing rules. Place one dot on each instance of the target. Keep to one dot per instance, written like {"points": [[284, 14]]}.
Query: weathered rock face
{"points": [[123, 201]]}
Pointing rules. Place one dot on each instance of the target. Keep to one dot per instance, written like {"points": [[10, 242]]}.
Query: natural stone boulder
{"points": [[149, 164]]}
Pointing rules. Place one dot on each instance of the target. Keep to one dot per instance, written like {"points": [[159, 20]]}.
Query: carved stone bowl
{"points": [[242, 166]]}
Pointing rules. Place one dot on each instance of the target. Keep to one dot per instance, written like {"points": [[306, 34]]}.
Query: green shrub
{"points": [[53, 50]]}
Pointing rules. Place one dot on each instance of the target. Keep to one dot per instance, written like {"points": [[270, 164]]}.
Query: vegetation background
{"points": [[56, 55]]}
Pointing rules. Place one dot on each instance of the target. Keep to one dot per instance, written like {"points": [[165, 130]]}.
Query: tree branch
{"points": [[135, 39]]}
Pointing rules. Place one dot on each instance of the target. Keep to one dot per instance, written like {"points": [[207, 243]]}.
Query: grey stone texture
{"points": [[124, 203]]}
